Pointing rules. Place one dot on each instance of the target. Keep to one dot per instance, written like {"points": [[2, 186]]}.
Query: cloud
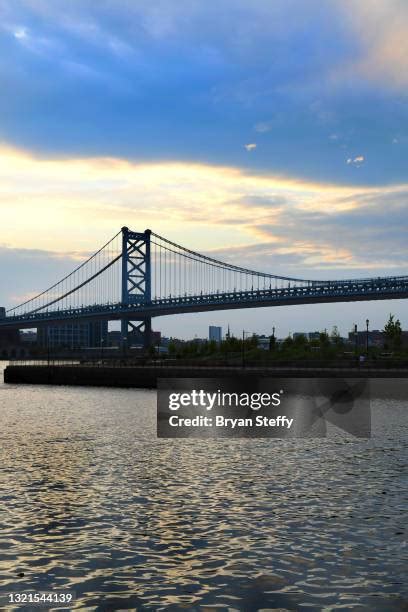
{"points": [[32, 42], [66, 208], [381, 27], [20, 33], [85, 90], [368, 236], [356, 161], [271, 202], [289, 71], [263, 127], [25, 271], [86, 200]]}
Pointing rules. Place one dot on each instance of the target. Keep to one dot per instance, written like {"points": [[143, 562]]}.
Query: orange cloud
{"points": [[65, 204]]}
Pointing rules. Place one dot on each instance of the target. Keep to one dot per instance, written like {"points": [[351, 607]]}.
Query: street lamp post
{"points": [[243, 346], [272, 340], [124, 346], [367, 324], [102, 351]]}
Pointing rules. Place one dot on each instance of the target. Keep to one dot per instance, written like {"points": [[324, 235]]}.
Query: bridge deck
{"points": [[336, 291]]}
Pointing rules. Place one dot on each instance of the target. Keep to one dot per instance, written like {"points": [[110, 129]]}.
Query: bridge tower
{"points": [[136, 281]]}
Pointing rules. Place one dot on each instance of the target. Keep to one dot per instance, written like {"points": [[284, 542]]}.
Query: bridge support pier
{"points": [[123, 335], [136, 283], [136, 331], [147, 336]]}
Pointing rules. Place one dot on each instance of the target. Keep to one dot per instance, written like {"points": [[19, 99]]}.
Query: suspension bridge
{"points": [[139, 275]]}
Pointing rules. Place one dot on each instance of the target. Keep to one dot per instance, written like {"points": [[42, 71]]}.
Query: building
{"points": [[263, 342], [375, 338], [10, 344], [310, 336], [9, 341], [74, 335], [8, 337], [297, 335], [114, 338], [215, 333], [134, 338], [28, 337]]}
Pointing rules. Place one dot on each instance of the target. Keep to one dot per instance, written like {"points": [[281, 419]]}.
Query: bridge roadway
{"points": [[314, 292]]}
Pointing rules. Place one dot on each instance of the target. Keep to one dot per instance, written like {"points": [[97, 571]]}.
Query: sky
{"points": [[269, 133]]}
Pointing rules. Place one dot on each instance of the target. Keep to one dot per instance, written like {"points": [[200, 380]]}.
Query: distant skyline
{"points": [[274, 134]]}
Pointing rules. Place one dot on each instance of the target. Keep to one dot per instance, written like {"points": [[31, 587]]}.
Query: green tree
{"points": [[231, 345], [335, 337], [393, 332], [204, 349], [190, 349], [324, 339], [212, 347], [287, 343], [300, 341]]}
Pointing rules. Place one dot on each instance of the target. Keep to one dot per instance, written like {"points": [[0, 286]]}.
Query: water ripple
{"points": [[93, 502]]}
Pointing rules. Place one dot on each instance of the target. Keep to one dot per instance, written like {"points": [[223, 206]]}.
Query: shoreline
{"points": [[147, 376]]}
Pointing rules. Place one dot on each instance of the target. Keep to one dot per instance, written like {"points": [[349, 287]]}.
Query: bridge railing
{"points": [[355, 290]]}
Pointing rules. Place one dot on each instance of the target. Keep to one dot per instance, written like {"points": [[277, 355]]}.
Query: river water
{"points": [[93, 502]]}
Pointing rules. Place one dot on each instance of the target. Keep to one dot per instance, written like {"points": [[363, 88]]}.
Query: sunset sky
{"points": [[273, 133]]}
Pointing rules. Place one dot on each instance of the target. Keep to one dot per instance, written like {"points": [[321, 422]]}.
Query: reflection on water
{"points": [[92, 501]]}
